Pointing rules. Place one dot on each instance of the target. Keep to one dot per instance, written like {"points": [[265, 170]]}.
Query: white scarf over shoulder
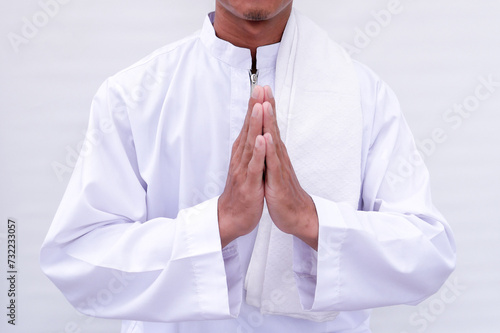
{"points": [[319, 116]]}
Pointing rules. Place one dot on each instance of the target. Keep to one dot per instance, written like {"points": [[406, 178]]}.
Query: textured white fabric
{"points": [[136, 235], [319, 116]]}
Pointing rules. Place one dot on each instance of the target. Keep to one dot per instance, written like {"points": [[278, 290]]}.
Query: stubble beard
{"points": [[256, 15]]}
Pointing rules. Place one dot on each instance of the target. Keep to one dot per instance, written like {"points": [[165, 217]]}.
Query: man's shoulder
{"points": [[378, 100], [366, 76], [160, 59], [370, 82], [372, 86]]}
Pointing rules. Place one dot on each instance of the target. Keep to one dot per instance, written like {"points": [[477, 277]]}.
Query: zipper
{"points": [[254, 79]]}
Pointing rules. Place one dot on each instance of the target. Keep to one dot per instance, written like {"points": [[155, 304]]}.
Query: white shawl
{"points": [[319, 116]]}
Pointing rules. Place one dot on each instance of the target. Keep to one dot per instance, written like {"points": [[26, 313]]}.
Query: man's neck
{"points": [[250, 34]]}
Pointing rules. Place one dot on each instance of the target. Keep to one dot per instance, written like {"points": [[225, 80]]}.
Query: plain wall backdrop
{"points": [[439, 56]]}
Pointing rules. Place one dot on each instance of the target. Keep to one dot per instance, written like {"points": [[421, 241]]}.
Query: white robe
{"points": [[136, 235]]}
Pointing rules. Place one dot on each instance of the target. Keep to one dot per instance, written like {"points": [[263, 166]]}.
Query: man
{"points": [[246, 179]]}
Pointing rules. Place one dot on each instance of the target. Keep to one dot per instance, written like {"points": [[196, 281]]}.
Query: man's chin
{"points": [[256, 15]]}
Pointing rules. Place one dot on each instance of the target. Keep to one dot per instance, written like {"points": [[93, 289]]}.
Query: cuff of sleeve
{"points": [[234, 277], [318, 273], [214, 270]]}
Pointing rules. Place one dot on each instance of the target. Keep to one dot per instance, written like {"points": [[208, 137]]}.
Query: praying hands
{"points": [[261, 168]]}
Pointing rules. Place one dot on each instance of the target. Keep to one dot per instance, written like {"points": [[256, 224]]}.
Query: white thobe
{"points": [[136, 235]]}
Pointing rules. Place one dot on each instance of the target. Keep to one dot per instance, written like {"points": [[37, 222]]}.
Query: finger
{"points": [[273, 163], [254, 130], [256, 164], [270, 122], [269, 96], [256, 97]]}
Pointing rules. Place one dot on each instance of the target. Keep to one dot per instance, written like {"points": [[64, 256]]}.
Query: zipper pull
{"points": [[254, 79]]}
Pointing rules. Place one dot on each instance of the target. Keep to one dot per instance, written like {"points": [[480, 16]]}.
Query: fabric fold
{"points": [[319, 116]]}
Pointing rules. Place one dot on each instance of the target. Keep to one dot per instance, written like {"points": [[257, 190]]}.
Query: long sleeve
{"points": [[397, 248], [111, 259]]}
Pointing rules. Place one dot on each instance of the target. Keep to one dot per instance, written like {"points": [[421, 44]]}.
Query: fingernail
{"points": [[270, 108], [254, 111], [258, 142], [269, 92], [255, 92], [270, 138]]}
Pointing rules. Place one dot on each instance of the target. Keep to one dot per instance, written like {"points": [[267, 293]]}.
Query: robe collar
{"points": [[236, 56]]}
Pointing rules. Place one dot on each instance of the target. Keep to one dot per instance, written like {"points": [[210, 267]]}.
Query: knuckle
{"points": [[241, 194], [251, 166], [246, 195], [248, 146], [238, 180], [233, 165], [253, 170]]}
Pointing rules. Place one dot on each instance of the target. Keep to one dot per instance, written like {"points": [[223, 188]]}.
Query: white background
{"points": [[432, 53]]}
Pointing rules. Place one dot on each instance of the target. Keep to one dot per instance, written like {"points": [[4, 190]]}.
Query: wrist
{"points": [[227, 235], [307, 227]]}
